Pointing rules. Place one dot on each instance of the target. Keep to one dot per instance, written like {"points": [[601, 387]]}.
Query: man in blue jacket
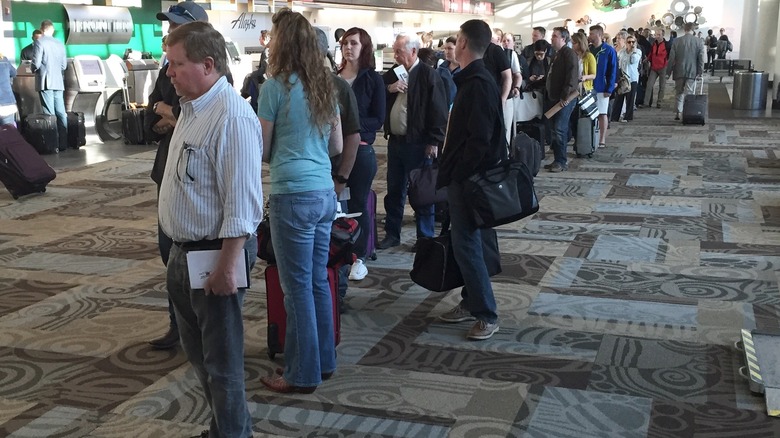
{"points": [[49, 62], [475, 141], [606, 77]]}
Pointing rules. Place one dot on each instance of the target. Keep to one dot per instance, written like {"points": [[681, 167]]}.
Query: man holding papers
{"points": [[414, 126], [211, 199]]}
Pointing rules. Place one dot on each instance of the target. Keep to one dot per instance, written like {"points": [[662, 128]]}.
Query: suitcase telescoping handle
{"points": [[700, 78]]}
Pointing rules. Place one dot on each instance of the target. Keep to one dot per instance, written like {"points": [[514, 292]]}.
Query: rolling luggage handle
{"points": [[695, 80]]}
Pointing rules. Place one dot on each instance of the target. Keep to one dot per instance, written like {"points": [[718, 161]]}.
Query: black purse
{"points": [[422, 187], [501, 194], [435, 267]]}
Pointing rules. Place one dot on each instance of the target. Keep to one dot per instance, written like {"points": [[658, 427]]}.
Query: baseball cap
{"points": [[322, 41], [184, 12]]}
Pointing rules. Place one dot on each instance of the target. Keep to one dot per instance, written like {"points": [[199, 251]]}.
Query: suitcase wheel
{"points": [[372, 256], [271, 355], [590, 155]]}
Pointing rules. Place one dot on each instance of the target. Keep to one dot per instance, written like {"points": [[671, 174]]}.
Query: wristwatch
{"points": [[154, 107], [340, 179]]}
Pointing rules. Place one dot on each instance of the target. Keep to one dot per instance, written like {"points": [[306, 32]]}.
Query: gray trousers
{"points": [[660, 75]]}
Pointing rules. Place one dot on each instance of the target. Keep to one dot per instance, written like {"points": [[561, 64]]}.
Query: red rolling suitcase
{"points": [[22, 170], [277, 315]]}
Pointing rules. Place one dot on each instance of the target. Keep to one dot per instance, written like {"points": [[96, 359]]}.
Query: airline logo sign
{"points": [[98, 24]]}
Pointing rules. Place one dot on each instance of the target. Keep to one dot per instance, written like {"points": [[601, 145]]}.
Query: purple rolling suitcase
{"points": [[22, 170], [371, 239]]}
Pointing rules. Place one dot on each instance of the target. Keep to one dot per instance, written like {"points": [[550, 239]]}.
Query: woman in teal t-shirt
{"points": [[301, 129]]}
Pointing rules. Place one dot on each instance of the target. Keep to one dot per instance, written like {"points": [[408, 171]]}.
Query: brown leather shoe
{"points": [[276, 383], [325, 376]]}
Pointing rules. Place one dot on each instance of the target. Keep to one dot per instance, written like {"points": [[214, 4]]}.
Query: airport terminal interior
{"points": [[640, 301]]}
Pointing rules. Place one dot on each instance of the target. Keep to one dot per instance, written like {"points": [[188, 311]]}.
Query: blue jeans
{"points": [[560, 128], [402, 158], [300, 224], [52, 102], [212, 335], [477, 294], [8, 120], [360, 180]]}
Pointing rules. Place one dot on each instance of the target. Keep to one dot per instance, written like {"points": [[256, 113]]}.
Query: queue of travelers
{"points": [[315, 123]]}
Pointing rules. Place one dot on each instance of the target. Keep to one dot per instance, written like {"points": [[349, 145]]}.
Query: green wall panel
{"points": [[147, 32]]}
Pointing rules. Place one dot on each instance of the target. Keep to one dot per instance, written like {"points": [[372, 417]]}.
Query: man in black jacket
{"points": [[475, 141], [414, 125]]}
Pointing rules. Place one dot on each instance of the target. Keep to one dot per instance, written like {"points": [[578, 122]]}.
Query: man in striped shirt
{"points": [[211, 198]]}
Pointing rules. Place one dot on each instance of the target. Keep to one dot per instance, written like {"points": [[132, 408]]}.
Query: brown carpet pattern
{"points": [[619, 304]]}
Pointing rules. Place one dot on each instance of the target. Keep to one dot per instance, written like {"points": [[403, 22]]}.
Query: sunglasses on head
{"points": [[178, 10]]}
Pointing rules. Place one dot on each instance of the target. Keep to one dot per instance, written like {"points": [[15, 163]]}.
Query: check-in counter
{"points": [[23, 86]]}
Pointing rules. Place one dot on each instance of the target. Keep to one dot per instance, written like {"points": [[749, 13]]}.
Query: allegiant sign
{"points": [[98, 24]]}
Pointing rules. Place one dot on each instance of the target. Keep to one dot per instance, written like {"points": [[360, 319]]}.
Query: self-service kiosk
{"points": [[85, 83], [23, 86], [141, 76]]}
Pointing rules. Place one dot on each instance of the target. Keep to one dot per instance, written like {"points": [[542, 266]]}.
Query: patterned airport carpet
{"points": [[619, 302]]}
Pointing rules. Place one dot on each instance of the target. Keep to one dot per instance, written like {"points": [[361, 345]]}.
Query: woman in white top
{"points": [[629, 56]]}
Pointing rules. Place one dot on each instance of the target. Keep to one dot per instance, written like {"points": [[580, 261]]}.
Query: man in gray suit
{"points": [[49, 63], [686, 64]]}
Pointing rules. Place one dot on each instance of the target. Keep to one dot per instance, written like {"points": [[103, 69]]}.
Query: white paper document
{"points": [[201, 263], [401, 73]]}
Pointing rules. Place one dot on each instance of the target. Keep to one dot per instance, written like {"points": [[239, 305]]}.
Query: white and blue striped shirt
{"points": [[212, 186]]}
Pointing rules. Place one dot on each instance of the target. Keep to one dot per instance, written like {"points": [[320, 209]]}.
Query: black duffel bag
{"points": [[501, 194]]}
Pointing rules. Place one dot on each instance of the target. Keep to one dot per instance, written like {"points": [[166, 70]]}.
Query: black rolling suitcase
{"points": [[695, 107], [587, 137], [133, 126], [535, 129], [22, 170], [77, 132], [40, 130], [528, 151]]}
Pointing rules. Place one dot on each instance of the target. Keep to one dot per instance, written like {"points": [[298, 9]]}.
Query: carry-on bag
{"points": [[422, 190], [695, 107], [40, 130], [587, 137], [534, 128], [501, 194], [527, 150], [22, 170], [435, 267], [277, 315], [133, 126], [77, 131]]}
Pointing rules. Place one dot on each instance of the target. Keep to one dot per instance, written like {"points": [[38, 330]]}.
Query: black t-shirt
{"points": [[496, 62]]}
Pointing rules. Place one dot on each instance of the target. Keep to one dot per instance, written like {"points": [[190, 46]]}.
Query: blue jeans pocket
{"points": [[307, 212]]}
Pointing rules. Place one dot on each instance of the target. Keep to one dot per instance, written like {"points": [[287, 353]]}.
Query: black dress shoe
{"points": [[388, 242], [167, 341]]}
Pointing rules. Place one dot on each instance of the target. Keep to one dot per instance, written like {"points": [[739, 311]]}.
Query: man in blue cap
{"points": [[159, 124]]}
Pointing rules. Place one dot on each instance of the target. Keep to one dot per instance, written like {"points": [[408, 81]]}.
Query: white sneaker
{"points": [[358, 271]]}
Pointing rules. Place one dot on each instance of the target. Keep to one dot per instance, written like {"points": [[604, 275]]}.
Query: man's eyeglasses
{"points": [[178, 10], [631, 41]]}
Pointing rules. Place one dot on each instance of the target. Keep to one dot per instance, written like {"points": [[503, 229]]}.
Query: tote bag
{"points": [[502, 194]]}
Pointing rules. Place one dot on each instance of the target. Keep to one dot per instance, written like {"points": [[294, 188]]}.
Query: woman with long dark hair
{"points": [[301, 130], [358, 68]]}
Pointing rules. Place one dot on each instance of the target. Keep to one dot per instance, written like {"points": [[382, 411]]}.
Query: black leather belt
{"points": [[199, 245]]}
